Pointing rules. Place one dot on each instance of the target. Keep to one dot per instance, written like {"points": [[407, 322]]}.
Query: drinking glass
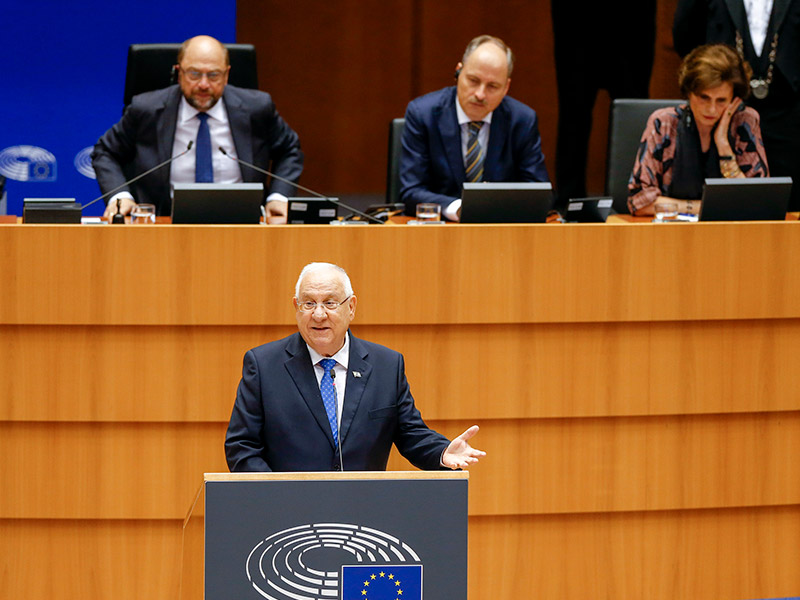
{"points": [[428, 211], [665, 211], [144, 214]]}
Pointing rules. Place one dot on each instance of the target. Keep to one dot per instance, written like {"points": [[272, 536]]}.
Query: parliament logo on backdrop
{"points": [[334, 560], [27, 163], [83, 162]]}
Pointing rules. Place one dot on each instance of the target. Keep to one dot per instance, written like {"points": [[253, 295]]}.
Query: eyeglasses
{"points": [[195, 76], [329, 305]]}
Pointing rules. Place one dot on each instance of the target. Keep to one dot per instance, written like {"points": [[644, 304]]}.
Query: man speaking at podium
{"points": [[206, 112], [324, 400]]}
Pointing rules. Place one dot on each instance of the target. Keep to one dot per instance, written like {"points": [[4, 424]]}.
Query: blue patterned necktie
{"points": [[328, 392], [474, 171], [203, 171]]}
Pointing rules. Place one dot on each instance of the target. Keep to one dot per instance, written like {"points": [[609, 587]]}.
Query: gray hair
{"points": [[483, 39], [322, 266]]}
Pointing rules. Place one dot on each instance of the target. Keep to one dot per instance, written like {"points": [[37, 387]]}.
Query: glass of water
{"points": [[144, 214], [428, 211], [666, 211]]}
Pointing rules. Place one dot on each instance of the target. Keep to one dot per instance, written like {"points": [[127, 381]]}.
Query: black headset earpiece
{"points": [[458, 72]]}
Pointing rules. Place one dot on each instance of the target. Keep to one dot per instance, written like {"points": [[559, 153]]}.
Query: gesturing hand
{"points": [[459, 454]]}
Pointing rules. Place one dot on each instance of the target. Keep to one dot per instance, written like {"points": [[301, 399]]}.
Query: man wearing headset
{"points": [[469, 132], [208, 113]]}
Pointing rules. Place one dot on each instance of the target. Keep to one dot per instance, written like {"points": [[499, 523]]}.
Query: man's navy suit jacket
{"points": [[432, 163], [279, 422], [145, 135]]}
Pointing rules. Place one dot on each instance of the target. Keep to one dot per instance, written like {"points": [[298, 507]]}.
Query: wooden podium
{"points": [[327, 536]]}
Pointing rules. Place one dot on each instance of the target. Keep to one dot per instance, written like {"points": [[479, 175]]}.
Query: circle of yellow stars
{"points": [[377, 576]]}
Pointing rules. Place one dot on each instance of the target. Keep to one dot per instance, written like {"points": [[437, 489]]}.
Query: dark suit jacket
{"points": [[432, 165], [279, 422], [699, 22], [144, 136]]}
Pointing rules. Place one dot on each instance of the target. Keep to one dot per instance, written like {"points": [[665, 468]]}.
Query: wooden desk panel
{"points": [[686, 555], [534, 466], [92, 560], [229, 275], [190, 374]]}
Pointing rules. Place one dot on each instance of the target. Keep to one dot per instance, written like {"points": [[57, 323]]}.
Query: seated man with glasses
{"points": [[204, 110], [324, 400]]}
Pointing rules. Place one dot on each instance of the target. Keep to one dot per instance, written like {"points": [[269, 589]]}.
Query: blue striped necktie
{"points": [[474, 170], [328, 391], [203, 170]]}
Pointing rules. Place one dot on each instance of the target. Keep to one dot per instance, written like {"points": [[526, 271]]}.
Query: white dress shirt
{"points": [[225, 169], [758, 14]]}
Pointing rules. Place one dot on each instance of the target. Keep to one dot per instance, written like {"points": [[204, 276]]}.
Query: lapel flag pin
{"points": [[356, 374]]}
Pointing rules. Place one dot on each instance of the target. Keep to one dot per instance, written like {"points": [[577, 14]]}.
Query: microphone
{"points": [[338, 434], [118, 218], [305, 189], [110, 193]]}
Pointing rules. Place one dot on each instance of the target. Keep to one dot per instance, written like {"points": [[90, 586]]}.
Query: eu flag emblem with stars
{"points": [[382, 582]]}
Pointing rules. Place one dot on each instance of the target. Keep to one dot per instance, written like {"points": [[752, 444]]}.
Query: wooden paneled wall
{"points": [[636, 388], [340, 71]]}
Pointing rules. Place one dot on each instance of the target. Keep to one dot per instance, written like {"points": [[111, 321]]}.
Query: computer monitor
{"points": [[506, 202], [217, 203], [748, 199]]}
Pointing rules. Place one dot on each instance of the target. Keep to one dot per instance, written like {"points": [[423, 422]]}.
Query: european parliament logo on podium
{"points": [[334, 560]]}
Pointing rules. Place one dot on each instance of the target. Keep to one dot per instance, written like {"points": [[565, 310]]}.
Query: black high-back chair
{"points": [[627, 121], [393, 162], [150, 67]]}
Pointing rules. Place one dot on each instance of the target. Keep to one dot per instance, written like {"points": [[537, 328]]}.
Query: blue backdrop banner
{"points": [[63, 82]]}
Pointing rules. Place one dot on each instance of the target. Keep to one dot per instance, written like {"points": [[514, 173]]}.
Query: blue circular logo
{"points": [[83, 162], [27, 163]]}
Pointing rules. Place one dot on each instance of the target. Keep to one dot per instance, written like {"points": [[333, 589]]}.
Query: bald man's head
{"points": [[203, 67]]}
